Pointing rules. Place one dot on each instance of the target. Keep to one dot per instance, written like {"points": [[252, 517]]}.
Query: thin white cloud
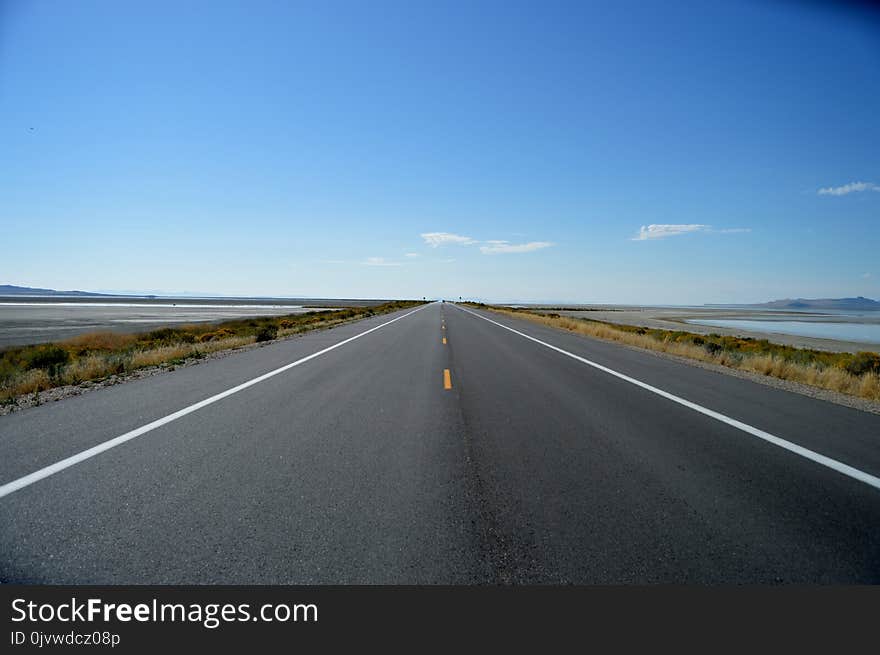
{"points": [[487, 247], [648, 232], [436, 239], [852, 187], [497, 247], [411, 255], [380, 261], [867, 276], [654, 231]]}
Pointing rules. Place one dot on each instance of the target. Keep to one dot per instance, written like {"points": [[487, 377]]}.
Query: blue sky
{"points": [[501, 150]]}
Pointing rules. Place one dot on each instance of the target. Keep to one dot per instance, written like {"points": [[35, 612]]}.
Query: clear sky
{"points": [[629, 152]]}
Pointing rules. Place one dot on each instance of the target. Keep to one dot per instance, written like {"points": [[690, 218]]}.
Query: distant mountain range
{"points": [[821, 303], [12, 290], [859, 302]]}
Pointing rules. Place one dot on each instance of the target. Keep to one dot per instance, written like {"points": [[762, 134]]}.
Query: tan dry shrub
{"points": [[99, 341], [156, 356], [869, 386], [225, 344], [30, 381], [91, 367]]}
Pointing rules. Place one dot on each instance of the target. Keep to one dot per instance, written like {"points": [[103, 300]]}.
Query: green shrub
{"points": [[267, 333], [712, 348], [49, 357], [168, 337], [863, 362], [220, 333]]}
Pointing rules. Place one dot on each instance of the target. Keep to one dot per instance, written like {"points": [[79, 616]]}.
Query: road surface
{"points": [[441, 445]]}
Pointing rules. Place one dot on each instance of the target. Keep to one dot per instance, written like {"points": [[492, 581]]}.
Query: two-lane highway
{"points": [[442, 445], [592, 478]]}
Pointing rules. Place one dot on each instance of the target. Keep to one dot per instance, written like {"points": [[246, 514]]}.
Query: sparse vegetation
{"points": [[27, 370], [856, 374], [267, 333]]}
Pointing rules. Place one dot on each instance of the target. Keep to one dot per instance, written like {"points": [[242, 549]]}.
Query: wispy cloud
{"points": [[497, 247], [487, 247], [662, 231], [852, 187], [411, 255], [436, 239], [654, 231], [380, 261]]}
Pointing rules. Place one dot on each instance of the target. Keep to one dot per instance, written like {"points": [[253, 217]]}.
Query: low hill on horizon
{"points": [[12, 290], [859, 302]]}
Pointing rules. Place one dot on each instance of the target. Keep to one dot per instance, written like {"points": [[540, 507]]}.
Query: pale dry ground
{"points": [[23, 321], [831, 378]]}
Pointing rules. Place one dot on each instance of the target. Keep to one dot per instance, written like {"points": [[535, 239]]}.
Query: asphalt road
{"points": [[398, 458]]}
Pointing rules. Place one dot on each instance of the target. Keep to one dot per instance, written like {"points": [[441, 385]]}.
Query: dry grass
{"points": [[96, 341], [91, 367], [227, 343], [161, 355], [828, 371], [299, 329], [33, 381]]}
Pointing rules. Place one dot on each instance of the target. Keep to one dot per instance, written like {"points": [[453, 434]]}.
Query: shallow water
{"points": [[868, 333]]}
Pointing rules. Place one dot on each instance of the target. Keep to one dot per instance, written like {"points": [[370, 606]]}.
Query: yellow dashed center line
{"points": [[447, 379]]}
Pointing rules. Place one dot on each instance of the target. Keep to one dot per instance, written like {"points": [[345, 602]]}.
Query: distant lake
{"points": [[859, 332]]}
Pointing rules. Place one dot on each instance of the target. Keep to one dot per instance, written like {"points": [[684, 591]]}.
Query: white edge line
{"points": [[52, 469], [833, 464]]}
